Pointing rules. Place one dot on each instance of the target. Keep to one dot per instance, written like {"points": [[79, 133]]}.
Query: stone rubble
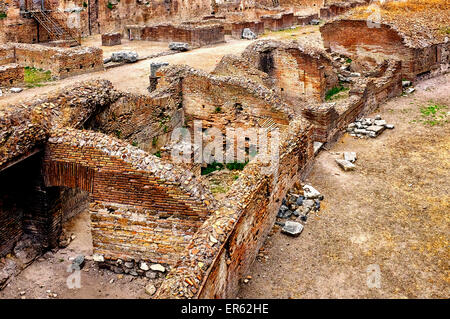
{"points": [[368, 127], [124, 56], [179, 46], [297, 204], [248, 34]]}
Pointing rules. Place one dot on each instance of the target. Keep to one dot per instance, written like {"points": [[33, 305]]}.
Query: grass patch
{"points": [[34, 77], [433, 114], [219, 166], [212, 168], [331, 93]]}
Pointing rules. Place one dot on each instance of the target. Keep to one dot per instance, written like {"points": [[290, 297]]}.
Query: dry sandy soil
{"points": [[392, 211]]}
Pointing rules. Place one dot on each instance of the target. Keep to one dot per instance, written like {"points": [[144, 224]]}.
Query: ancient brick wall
{"points": [[194, 35], [355, 38], [330, 119], [227, 243], [62, 62], [111, 39], [297, 73], [304, 20], [278, 22], [128, 12], [11, 75], [225, 102], [25, 127], [132, 191], [144, 121]]}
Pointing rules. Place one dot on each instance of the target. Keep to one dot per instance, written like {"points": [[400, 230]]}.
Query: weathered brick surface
{"points": [[238, 27], [111, 39], [211, 269], [132, 191], [278, 22], [195, 35], [11, 74], [62, 62], [355, 38]]}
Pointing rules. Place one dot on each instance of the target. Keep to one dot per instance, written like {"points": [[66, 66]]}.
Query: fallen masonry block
{"points": [[292, 228], [345, 165], [310, 192], [389, 126], [376, 129], [248, 34], [380, 122], [350, 156], [124, 56], [179, 46]]}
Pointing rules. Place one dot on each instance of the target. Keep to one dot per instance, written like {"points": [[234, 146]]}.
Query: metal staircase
{"points": [[54, 24]]}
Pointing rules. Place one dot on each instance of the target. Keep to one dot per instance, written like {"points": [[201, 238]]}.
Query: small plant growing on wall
{"points": [[110, 6], [3, 15], [85, 4]]}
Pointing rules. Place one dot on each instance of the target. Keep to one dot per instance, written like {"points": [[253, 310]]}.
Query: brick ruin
{"points": [[91, 145]]}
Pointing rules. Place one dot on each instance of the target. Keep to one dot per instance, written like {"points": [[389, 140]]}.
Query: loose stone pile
{"points": [[367, 127], [297, 204]]}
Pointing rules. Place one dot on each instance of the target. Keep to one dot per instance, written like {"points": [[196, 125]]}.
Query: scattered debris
{"points": [[345, 165], [367, 127], [350, 156]]}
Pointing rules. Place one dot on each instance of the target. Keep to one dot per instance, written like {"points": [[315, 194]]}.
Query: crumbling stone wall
{"points": [[329, 119], [61, 62], [278, 22], [355, 38], [30, 208], [238, 27], [132, 192], [223, 102], [227, 243], [297, 73], [144, 121]]}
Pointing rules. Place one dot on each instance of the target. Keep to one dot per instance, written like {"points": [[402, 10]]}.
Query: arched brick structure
{"points": [[142, 208]]}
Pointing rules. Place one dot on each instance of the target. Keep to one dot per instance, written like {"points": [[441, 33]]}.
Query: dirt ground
{"points": [[392, 211], [46, 277]]}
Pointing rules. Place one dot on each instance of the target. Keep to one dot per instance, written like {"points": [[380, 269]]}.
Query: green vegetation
{"points": [[118, 133], [218, 109], [434, 114], [34, 77], [3, 15], [154, 141], [445, 30], [110, 5], [158, 154], [135, 144], [219, 166], [348, 60], [331, 94]]}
